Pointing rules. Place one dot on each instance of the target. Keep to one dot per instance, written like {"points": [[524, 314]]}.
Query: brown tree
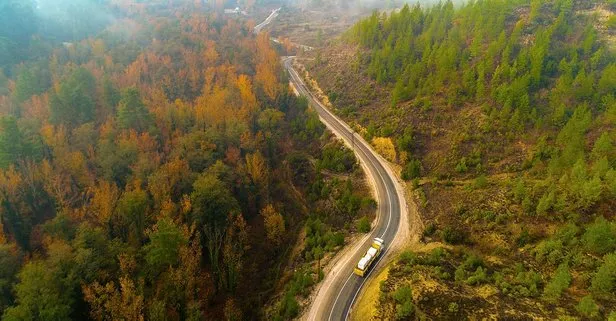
{"points": [[274, 224]]}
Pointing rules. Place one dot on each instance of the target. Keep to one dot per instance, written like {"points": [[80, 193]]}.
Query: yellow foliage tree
{"points": [[274, 224], [104, 198], [385, 147], [256, 168]]}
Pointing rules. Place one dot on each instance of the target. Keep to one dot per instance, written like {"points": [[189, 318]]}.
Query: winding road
{"points": [[341, 287], [267, 20]]}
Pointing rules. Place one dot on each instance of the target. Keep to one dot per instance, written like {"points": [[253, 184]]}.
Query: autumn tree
{"points": [[103, 202], [274, 224], [267, 66], [168, 181], [108, 302], [236, 244]]}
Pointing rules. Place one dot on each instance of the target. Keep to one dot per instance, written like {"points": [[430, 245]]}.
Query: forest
{"points": [[501, 115], [156, 166]]}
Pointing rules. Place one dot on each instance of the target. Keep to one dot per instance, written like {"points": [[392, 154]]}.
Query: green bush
{"points": [[525, 283], [587, 307], [480, 182], [604, 281], [407, 257], [403, 294], [411, 170], [478, 277], [461, 166], [524, 238], [435, 257], [454, 235], [554, 249], [430, 229], [337, 158], [560, 281], [404, 302], [453, 307], [472, 271], [289, 307], [363, 225], [404, 310], [600, 237]]}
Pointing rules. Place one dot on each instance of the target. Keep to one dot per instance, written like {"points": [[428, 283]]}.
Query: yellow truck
{"points": [[369, 258]]}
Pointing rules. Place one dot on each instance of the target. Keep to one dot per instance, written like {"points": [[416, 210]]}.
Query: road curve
{"points": [[341, 287]]}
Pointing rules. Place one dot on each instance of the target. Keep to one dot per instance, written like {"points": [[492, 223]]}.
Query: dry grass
{"points": [[365, 307]]}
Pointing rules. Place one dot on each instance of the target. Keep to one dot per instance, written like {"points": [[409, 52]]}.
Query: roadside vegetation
{"points": [[502, 118]]}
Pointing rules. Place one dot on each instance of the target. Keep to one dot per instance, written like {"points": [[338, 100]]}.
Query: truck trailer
{"points": [[369, 258]]}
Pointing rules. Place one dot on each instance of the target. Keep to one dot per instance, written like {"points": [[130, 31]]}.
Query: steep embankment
{"points": [[502, 116]]}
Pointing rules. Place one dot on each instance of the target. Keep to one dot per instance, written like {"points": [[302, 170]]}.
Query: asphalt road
{"points": [[267, 21], [337, 295]]}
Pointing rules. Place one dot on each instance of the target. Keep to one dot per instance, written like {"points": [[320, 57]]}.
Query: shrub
{"points": [[526, 283], [411, 170], [363, 225], [430, 229], [404, 299], [524, 238], [461, 167], [560, 281], [453, 307], [404, 310], [407, 257], [289, 307], [403, 294], [454, 235], [480, 182], [435, 256], [478, 277], [604, 281], [337, 158], [587, 307], [385, 147], [600, 237]]}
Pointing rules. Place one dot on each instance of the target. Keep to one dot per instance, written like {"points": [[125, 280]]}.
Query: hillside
{"points": [[501, 116], [159, 167]]}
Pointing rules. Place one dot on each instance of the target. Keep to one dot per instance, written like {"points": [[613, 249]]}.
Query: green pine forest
{"points": [[502, 115]]}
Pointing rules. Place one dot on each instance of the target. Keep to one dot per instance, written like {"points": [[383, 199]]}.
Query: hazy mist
{"points": [[73, 19]]}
